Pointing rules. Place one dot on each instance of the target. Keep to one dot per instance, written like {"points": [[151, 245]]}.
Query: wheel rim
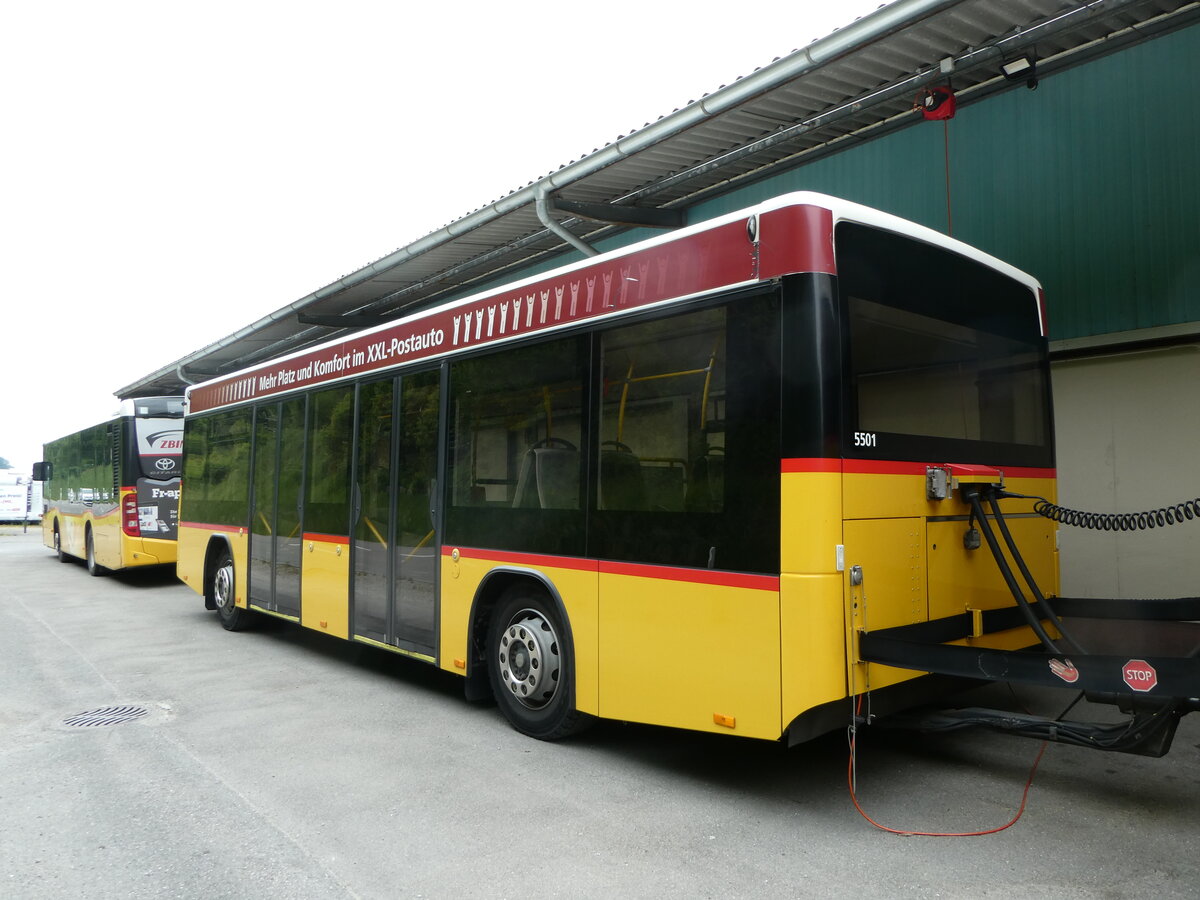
{"points": [[57, 542], [91, 553], [223, 588], [528, 653]]}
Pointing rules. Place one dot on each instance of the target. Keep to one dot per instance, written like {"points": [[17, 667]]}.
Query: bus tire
{"points": [[63, 556], [222, 594], [530, 665], [93, 567]]}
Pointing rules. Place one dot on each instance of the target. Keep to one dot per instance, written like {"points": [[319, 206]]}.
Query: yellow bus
{"points": [[111, 491], [678, 483]]}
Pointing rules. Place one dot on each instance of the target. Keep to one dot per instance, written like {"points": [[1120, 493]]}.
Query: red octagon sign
{"points": [[1139, 675]]}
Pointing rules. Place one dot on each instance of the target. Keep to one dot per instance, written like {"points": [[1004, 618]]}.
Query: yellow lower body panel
{"points": [[324, 580], [812, 625], [890, 553], [113, 548], [189, 563], [192, 551], [970, 579], [690, 655], [149, 552]]}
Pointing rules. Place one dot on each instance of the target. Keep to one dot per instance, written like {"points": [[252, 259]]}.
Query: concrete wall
{"points": [[1128, 431]]}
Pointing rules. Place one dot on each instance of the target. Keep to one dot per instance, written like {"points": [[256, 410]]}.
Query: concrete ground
{"points": [[282, 763]]}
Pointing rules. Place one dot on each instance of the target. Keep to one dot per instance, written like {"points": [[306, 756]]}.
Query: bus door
{"points": [[276, 540], [396, 540]]}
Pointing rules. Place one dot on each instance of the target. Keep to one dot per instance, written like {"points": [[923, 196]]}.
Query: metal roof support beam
{"points": [[614, 214], [542, 203]]}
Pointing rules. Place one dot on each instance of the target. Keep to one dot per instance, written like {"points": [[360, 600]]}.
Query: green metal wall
{"points": [[1091, 183]]}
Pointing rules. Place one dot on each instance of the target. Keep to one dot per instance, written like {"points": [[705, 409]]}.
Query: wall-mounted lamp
{"points": [[1023, 68]]}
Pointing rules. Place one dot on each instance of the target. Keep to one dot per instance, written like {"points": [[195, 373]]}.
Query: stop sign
{"points": [[1139, 675]]}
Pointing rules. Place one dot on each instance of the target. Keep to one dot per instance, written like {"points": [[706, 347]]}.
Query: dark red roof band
{"points": [[793, 239]]}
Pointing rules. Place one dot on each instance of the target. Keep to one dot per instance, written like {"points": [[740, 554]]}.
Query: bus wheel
{"points": [[62, 556], [221, 588], [530, 666], [93, 567]]}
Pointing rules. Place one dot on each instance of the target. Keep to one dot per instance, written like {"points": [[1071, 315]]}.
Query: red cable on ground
{"points": [[1020, 811]]}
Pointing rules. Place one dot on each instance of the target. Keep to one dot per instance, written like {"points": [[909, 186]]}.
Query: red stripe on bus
{"points": [[536, 560], [810, 464], [895, 467], [693, 576], [326, 538], [636, 570], [206, 526], [1027, 472]]}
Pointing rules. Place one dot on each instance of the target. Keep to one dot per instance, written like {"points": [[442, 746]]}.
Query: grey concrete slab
{"points": [[282, 763]]}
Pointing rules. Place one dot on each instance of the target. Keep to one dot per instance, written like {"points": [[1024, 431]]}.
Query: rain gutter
{"points": [[542, 205]]}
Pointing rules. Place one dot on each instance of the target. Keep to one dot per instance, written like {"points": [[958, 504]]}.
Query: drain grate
{"points": [[105, 715]]}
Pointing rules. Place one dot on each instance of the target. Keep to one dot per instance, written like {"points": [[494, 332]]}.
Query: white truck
{"points": [[20, 498]]}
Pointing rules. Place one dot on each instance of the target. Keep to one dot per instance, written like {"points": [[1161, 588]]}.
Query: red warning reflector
{"points": [[1139, 675], [1065, 669]]}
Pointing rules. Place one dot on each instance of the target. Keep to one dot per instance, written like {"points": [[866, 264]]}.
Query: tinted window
{"points": [[216, 483], [516, 470], [330, 428], [946, 356], [688, 446]]}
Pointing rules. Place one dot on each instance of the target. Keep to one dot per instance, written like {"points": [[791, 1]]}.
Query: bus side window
{"points": [[516, 423], [661, 405], [688, 441]]}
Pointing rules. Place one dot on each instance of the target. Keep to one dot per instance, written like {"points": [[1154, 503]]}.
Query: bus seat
{"points": [[666, 483], [621, 482], [706, 487], [549, 479]]}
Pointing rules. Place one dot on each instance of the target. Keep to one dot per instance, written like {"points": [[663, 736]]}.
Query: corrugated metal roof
{"points": [[856, 84]]}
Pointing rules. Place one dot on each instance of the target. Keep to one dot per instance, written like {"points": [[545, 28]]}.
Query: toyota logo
{"points": [[164, 463]]}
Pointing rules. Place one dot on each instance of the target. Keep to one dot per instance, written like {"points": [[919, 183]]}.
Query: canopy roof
{"points": [[854, 84]]}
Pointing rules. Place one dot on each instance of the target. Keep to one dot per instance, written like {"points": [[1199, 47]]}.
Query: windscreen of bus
{"points": [[946, 360]]}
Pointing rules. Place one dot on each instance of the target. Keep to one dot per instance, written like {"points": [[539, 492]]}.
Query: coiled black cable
{"points": [[1155, 518]]}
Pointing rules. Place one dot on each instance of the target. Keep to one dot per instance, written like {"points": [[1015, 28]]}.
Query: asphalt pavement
{"points": [[278, 762]]}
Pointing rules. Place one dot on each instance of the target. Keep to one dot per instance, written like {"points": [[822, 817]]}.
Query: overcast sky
{"points": [[172, 172]]}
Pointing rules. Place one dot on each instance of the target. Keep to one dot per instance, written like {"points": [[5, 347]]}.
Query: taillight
{"points": [[129, 516]]}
